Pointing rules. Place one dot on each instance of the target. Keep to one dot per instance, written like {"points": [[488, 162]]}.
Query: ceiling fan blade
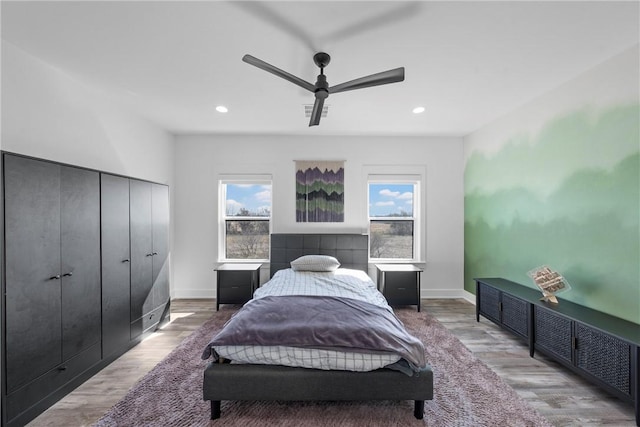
{"points": [[316, 113], [278, 72], [383, 78]]}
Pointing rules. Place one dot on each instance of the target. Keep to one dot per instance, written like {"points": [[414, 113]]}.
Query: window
{"points": [[393, 219], [246, 219]]}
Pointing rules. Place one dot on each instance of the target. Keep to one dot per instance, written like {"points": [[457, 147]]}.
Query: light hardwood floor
{"points": [[562, 397]]}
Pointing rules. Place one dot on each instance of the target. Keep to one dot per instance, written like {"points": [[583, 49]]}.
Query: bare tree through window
{"points": [[391, 220], [247, 218]]}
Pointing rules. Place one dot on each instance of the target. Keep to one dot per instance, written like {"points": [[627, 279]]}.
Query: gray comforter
{"points": [[322, 322]]}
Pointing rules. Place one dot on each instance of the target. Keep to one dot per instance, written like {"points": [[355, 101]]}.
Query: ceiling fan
{"points": [[321, 88]]}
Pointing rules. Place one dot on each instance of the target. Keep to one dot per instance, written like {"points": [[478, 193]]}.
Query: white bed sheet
{"points": [[345, 283]]}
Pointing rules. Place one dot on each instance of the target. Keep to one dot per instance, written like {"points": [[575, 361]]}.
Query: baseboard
{"points": [[193, 294], [448, 294], [469, 297]]}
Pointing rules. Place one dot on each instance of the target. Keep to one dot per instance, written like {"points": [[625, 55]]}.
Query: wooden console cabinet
{"points": [[602, 348]]}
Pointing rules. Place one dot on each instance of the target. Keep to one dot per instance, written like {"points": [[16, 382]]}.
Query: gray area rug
{"points": [[466, 392]]}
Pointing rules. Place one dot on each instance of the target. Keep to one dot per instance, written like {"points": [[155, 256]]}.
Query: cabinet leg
{"points": [[418, 410], [477, 301], [215, 409], [636, 364]]}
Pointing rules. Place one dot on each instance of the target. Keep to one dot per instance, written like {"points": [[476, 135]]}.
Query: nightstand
{"points": [[236, 283], [400, 283]]}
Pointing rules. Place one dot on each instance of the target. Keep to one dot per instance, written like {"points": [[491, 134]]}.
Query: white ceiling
{"points": [[467, 63]]}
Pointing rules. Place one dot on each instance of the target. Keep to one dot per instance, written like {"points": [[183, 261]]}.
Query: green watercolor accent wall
{"points": [[568, 198]]}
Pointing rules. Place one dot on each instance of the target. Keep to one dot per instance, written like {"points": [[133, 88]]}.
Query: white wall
{"points": [[200, 159], [49, 114]]}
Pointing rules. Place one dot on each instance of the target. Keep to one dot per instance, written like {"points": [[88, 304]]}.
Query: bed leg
{"points": [[215, 409], [418, 412]]}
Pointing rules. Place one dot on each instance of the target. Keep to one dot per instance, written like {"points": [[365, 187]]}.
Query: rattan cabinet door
{"points": [[489, 302], [515, 315], [605, 357], [553, 334]]}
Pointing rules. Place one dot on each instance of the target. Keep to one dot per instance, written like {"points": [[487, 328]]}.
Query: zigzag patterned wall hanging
{"points": [[319, 191]]}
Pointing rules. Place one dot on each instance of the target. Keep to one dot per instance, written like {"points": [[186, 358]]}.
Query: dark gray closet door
{"points": [[33, 291], [141, 253], [80, 257], [116, 281], [160, 220]]}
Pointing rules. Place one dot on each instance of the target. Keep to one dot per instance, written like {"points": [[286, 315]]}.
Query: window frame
{"points": [[223, 218], [416, 217]]}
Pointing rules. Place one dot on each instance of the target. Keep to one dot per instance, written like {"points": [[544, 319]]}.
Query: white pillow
{"points": [[315, 263]]}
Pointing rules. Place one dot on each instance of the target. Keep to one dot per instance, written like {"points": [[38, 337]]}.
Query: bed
{"points": [[255, 382]]}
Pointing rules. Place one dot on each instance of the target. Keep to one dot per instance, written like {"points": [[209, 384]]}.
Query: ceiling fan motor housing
{"points": [[322, 87]]}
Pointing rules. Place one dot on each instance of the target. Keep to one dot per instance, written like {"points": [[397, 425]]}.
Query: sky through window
{"points": [[255, 198], [390, 200]]}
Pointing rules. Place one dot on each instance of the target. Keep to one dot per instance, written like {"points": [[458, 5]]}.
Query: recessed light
{"points": [[221, 109], [418, 110]]}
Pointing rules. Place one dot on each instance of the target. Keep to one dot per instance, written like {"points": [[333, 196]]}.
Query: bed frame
{"points": [[226, 381]]}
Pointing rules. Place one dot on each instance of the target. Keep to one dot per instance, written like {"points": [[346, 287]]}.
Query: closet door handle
{"points": [[155, 253], [126, 260], [56, 277], [149, 254], [69, 274]]}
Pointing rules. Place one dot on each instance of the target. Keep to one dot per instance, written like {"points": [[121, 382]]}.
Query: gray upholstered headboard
{"points": [[352, 250]]}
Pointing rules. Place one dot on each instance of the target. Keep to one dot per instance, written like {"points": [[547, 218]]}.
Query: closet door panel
{"points": [[141, 252], [80, 255], [116, 282], [160, 221], [32, 244]]}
